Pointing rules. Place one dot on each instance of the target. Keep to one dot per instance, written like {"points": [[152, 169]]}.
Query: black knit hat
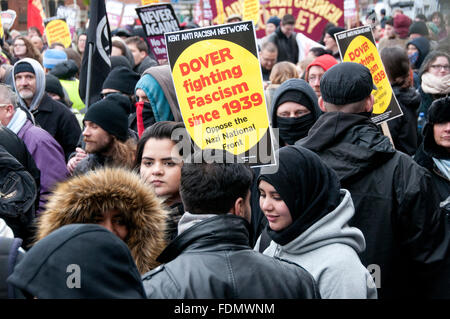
{"points": [[52, 85], [111, 114], [297, 97], [419, 27], [346, 83], [118, 61], [23, 67], [121, 79]]}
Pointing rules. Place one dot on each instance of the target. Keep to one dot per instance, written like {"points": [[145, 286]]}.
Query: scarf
{"points": [[18, 120], [443, 165], [307, 186], [435, 85], [294, 128]]}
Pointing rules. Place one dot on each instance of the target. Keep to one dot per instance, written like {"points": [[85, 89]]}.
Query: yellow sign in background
{"points": [[361, 50], [219, 90], [58, 31], [251, 11]]}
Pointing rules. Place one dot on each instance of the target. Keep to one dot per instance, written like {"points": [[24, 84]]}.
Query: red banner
{"points": [[311, 15], [35, 15]]}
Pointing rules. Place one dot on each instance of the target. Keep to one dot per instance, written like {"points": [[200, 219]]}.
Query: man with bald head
{"points": [[38, 43]]}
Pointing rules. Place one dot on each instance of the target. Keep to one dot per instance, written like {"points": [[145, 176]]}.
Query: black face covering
{"points": [[294, 128]]}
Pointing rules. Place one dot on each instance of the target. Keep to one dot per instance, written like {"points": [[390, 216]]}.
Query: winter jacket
{"points": [[328, 250], [212, 259], [287, 47], [393, 199], [60, 122], [144, 65], [49, 158], [52, 116], [66, 73], [404, 128], [440, 181], [77, 200]]}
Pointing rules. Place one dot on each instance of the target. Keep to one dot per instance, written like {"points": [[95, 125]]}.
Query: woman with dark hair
{"points": [[159, 162], [81, 43], [440, 31], [435, 79], [403, 129], [23, 48], [308, 214], [434, 152]]}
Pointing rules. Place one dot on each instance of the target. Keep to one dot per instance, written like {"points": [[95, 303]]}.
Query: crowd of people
{"points": [[100, 200]]}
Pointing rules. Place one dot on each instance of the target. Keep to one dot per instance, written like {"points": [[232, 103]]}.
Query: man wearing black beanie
{"points": [[106, 135]]}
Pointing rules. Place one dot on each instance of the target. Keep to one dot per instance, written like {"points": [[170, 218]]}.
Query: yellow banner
{"points": [[220, 13], [145, 2], [1, 29], [251, 11], [58, 31]]}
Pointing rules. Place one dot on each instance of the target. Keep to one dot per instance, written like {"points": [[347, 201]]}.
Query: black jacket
{"points": [[60, 122], [404, 128], [212, 259], [393, 197], [287, 48]]}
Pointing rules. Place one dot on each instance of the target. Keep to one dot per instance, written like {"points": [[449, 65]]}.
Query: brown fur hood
{"points": [[81, 198]]}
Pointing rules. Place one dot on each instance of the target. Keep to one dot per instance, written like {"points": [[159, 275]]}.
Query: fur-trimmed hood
{"points": [[81, 198]]}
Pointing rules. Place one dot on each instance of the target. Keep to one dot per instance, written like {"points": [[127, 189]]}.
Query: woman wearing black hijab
{"points": [[294, 110], [307, 214]]}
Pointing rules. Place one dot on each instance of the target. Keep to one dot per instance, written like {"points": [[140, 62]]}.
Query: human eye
{"points": [[147, 163], [170, 163]]}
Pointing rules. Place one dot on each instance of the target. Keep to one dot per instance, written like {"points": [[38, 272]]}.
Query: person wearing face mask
{"points": [[156, 99], [417, 49], [308, 216], [294, 110]]}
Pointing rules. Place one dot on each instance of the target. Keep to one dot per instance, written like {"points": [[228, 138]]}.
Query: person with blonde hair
{"points": [[281, 72]]}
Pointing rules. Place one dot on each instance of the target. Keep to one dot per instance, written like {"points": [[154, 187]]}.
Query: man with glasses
{"points": [[268, 57], [316, 69]]}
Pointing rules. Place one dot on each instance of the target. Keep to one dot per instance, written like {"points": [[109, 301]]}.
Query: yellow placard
{"points": [[218, 95], [1, 29], [145, 2], [361, 50], [58, 31], [220, 12], [251, 11]]}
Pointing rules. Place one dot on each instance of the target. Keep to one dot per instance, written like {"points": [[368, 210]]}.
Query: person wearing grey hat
{"points": [[393, 195], [106, 137]]}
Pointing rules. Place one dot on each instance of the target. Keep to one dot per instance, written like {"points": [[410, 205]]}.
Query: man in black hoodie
{"points": [[394, 208]]}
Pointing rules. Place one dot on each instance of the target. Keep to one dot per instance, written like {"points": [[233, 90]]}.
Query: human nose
{"points": [[86, 131], [157, 169], [266, 204], [107, 223]]}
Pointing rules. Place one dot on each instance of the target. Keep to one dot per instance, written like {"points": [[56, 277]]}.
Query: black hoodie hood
{"points": [[65, 70], [349, 143], [103, 260], [303, 125]]}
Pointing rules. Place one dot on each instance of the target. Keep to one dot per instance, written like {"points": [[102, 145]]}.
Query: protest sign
{"points": [[358, 45], [8, 17], [156, 20], [218, 82], [311, 15], [57, 30]]}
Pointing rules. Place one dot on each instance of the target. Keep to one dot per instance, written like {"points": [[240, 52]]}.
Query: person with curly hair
{"points": [[22, 48]]}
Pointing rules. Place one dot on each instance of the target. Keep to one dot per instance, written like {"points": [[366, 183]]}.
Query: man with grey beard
{"points": [[52, 116]]}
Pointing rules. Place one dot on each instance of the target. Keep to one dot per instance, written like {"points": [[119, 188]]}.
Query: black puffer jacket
{"points": [[287, 48], [393, 196], [404, 128], [212, 259]]}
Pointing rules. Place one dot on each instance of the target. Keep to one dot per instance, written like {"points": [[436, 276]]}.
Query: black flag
{"points": [[99, 42]]}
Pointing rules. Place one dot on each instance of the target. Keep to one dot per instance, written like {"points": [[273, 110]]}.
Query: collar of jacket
{"points": [[222, 232], [349, 143]]}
